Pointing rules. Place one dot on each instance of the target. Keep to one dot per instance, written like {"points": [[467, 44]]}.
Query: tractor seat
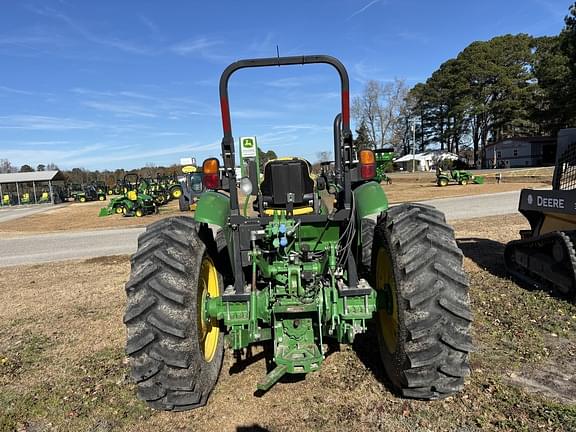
{"points": [[283, 177]]}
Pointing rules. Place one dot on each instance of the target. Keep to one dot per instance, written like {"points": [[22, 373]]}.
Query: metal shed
{"points": [[21, 182]]}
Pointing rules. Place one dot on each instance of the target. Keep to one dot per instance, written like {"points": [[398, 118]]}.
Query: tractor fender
{"points": [[370, 199], [213, 208]]}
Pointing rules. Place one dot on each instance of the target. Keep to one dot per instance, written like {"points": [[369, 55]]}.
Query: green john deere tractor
{"points": [[384, 162], [456, 176], [296, 275], [137, 202], [25, 198], [134, 202], [44, 197], [174, 187], [101, 190], [159, 190], [117, 189]]}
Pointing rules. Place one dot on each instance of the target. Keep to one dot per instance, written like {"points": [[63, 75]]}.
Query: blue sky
{"points": [[119, 84]]}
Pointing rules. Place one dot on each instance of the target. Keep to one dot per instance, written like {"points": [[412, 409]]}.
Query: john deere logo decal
{"points": [[530, 199], [248, 147]]}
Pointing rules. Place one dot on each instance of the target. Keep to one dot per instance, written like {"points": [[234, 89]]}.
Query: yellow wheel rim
{"points": [[388, 315], [118, 210], [138, 213], [176, 193], [208, 330], [101, 198]]}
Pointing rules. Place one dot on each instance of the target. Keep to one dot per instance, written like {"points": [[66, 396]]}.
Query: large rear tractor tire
{"points": [[183, 203], [423, 324], [175, 354]]}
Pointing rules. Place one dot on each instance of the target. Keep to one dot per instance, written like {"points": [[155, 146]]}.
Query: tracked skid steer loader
{"points": [[545, 255]]}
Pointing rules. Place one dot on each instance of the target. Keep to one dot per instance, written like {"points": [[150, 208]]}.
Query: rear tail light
{"points": [[211, 181], [211, 173], [367, 164]]}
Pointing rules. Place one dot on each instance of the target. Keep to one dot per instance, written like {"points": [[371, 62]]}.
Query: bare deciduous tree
{"points": [[382, 106], [6, 166]]}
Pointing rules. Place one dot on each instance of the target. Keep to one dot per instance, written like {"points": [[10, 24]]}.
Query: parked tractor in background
{"points": [[384, 164], [173, 186], [101, 190], [456, 176], [296, 276], [117, 189], [25, 198], [156, 189], [192, 188], [84, 193], [135, 201], [44, 197]]}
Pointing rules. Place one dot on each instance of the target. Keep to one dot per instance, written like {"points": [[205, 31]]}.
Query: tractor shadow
{"points": [[265, 352], [368, 351], [487, 254], [242, 362]]}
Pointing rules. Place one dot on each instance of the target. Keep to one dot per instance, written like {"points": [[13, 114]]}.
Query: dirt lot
{"points": [[76, 216], [80, 216], [62, 365], [421, 191]]}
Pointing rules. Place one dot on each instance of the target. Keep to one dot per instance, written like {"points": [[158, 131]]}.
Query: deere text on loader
{"points": [[296, 275], [545, 255]]}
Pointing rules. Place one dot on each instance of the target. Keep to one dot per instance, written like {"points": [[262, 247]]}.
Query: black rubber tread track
{"points": [[166, 361], [431, 360], [543, 246]]}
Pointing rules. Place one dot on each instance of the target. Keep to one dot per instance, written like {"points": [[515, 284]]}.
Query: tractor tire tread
{"points": [[433, 290], [164, 354]]}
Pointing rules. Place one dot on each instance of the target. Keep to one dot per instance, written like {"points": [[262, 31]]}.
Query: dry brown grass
{"points": [[84, 216], [62, 364], [80, 216], [421, 191]]}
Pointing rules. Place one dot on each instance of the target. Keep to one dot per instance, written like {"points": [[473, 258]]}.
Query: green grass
{"points": [[46, 384], [23, 353], [89, 392]]}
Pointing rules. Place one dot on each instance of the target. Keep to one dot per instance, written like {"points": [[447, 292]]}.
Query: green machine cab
{"points": [[295, 275]]}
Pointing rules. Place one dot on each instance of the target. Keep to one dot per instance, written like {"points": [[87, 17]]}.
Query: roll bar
{"points": [[228, 140]]}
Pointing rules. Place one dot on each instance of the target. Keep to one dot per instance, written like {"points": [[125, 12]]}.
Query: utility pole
{"points": [[413, 146]]}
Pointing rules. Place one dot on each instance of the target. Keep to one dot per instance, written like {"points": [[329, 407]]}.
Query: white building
{"points": [[426, 161]]}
